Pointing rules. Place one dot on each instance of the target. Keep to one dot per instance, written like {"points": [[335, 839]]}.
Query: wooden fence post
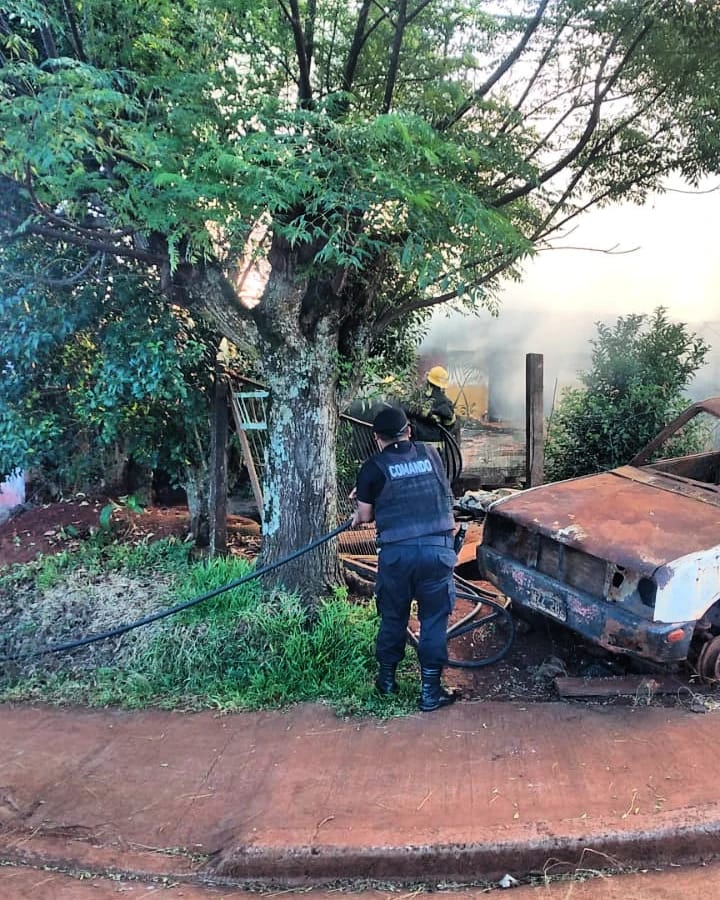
{"points": [[534, 420], [218, 465]]}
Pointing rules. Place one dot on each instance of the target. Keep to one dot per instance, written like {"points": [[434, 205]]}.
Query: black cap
{"points": [[390, 422]]}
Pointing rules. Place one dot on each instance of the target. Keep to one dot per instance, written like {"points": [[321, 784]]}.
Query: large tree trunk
{"points": [[297, 328], [299, 485]]}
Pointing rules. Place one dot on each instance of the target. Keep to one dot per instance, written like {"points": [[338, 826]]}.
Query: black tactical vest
{"points": [[416, 499]]}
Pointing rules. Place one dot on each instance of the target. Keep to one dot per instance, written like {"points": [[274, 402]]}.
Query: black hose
{"points": [[501, 613], [146, 620], [464, 590]]}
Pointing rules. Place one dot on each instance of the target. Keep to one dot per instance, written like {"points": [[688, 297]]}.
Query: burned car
{"points": [[629, 558]]}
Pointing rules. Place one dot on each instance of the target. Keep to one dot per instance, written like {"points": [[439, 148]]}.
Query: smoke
{"points": [[492, 350], [661, 253]]}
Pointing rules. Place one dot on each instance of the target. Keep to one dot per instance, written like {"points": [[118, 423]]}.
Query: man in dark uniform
{"points": [[405, 491]]}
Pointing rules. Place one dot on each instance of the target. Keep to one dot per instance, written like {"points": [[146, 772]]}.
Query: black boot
{"points": [[433, 694], [385, 681]]}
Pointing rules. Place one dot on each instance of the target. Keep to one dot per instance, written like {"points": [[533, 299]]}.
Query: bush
{"points": [[639, 370]]}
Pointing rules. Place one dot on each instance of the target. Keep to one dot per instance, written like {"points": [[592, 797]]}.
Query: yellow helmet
{"points": [[438, 376]]}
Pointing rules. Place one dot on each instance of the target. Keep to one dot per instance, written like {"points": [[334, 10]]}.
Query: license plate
{"points": [[543, 601]]}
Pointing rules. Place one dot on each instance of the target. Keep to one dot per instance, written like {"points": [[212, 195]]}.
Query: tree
{"points": [[101, 378], [639, 371], [369, 161]]}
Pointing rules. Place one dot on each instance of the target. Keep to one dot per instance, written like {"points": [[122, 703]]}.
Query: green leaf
{"points": [[106, 516]]}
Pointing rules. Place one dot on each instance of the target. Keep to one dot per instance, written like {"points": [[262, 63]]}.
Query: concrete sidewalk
{"points": [[465, 794]]}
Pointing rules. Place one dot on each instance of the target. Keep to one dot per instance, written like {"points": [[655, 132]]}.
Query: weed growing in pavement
{"points": [[244, 649]]}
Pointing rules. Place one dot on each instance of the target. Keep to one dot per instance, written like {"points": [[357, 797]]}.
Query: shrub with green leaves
{"points": [[640, 368], [119, 375]]}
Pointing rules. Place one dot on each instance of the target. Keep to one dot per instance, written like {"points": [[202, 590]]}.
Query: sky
{"points": [[675, 262], [672, 260]]}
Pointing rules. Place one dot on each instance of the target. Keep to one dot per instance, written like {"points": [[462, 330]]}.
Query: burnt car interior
{"points": [[699, 427], [704, 467]]}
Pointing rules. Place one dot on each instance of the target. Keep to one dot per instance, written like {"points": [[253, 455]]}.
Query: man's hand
{"points": [[353, 499], [364, 513]]}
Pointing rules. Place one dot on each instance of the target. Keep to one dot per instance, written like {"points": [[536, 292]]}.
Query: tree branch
{"points": [[550, 227], [70, 281], [293, 17], [507, 63], [542, 62], [600, 94], [61, 221], [360, 37], [394, 63], [124, 251], [74, 31], [416, 12], [587, 163], [330, 54], [310, 32], [403, 20], [414, 305], [48, 42]]}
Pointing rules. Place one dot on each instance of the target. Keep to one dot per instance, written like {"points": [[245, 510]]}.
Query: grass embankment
{"points": [[244, 649]]}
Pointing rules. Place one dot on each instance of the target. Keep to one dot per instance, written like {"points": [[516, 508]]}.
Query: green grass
{"points": [[246, 649], [97, 556]]}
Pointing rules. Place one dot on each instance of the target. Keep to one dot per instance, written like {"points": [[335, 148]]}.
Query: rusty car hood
{"points": [[634, 517]]}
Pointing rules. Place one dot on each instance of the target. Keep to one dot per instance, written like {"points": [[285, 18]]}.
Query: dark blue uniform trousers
{"points": [[414, 570]]}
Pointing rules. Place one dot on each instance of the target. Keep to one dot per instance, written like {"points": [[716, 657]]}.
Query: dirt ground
{"points": [[54, 527], [536, 656]]}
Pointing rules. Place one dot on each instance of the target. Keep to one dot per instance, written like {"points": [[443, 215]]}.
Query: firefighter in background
{"points": [[434, 408]]}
